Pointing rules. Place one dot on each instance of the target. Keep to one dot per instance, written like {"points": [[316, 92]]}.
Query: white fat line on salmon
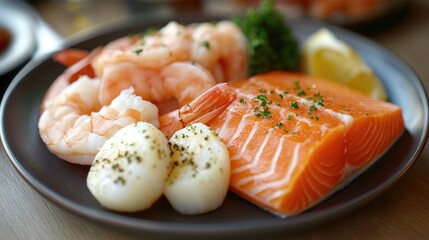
{"points": [[257, 156], [244, 147], [241, 94], [359, 148], [238, 130], [345, 118], [286, 179], [225, 123], [319, 180], [266, 174], [285, 115]]}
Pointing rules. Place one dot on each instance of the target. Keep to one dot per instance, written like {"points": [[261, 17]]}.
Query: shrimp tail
{"points": [[70, 56], [203, 109]]}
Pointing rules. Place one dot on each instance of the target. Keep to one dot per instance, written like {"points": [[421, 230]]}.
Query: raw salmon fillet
{"points": [[294, 140]]}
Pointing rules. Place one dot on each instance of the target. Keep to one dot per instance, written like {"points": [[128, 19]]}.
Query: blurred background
{"points": [[70, 16], [28, 28]]}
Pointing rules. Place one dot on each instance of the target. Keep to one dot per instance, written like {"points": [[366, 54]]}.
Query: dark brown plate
{"points": [[64, 183]]}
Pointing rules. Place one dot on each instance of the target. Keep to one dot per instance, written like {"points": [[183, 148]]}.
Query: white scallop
{"points": [[128, 173], [200, 173]]}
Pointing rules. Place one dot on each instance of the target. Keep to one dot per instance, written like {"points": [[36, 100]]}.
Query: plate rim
{"points": [[168, 228]]}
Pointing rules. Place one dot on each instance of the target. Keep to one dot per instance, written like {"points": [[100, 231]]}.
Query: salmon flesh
{"points": [[295, 140]]}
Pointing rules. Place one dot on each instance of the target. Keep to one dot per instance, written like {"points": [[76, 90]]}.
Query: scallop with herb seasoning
{"points": [[128, 173], [200, 170]]}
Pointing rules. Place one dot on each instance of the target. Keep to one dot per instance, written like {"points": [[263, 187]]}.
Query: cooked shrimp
{"points": [[183, 81], [153, 63], [221, 48], [80, 66], [218, 53], [79, 62], [234, 58], [170, 44], [70, 56], [130, 170], [74, 127]]}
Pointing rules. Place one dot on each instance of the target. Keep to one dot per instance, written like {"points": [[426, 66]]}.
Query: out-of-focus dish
{"points": [[5, 38], [235, 217], [22, 40], [347, 13]]}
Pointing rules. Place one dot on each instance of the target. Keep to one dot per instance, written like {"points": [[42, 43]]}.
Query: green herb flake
{"points": [[149, 32], [138, 51], [312, 108], [261, 97], [265, 113], [314, 116], [294, 105], [318, 99], [300, 93], [296, 86], [205, 44]]}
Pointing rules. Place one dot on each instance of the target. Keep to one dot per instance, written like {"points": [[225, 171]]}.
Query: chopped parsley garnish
{"points": [[261, 97], [294, 105], [300, 93], [265, 113], [206, 44], [296, 86], [317, 98], [150, 31], [312, 108], [314, 116], [242, 101], [138, 51]]}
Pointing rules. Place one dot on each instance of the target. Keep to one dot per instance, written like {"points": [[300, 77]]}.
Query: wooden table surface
{"points": [[401, 213]]}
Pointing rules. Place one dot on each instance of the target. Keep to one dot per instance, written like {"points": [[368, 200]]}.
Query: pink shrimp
{"points": [[79, 63], [75, 125], [78, 67], [174, 65], [177, 62]]}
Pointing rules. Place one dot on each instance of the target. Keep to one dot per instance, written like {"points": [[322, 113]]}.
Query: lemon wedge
{"points": [[326, 56]]}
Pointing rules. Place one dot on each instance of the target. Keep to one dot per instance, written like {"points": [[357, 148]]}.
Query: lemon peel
{"points": [[326, 56]]}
